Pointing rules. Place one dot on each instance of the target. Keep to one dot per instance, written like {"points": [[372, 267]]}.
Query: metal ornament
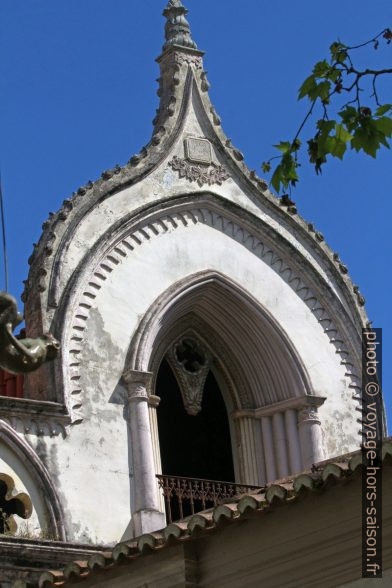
{"points": [[21, 355]]}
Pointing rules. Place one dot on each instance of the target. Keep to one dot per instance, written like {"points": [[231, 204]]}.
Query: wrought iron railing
{"points": [[187, 496]]}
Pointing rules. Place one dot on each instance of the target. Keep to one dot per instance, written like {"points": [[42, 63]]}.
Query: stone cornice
{"points": [[185, 50], [35, 416], [41, 554], [292, 403]]}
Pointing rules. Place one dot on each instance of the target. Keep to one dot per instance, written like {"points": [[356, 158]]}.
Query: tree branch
{"points": [[358, 126]]}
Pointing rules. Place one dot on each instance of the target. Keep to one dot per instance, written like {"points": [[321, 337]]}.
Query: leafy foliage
{"points": [[354, 125]]}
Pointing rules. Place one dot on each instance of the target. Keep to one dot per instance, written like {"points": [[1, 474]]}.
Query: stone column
{"points": [[280, 442], [252, 470], [310, 436], [294, 446], [153, 403], [269, 453], [147, 516]]}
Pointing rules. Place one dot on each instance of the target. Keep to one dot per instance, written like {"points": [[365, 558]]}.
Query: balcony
{"points": [[187, 496]]}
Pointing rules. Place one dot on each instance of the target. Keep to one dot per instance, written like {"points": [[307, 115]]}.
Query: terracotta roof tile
{"points": [[175, 531]]}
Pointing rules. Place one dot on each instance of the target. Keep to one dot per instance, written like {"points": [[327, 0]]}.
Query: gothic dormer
{"points": [[207, 330]]}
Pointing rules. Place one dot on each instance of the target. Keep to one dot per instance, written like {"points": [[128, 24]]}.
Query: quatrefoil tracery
{"points": [[12, 503]]}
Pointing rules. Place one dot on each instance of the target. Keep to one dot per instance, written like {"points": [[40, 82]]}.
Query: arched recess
{"points": [[249, 333], [205, 234], [263, 380], [129, 282], [38, 481]]}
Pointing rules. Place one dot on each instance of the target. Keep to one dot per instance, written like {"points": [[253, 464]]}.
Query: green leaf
{"points": [[321, 68], [348, 112], [384, 141], [383, 109], [323, 143], [266, 167], [350, 117], [308, 85], [341, 56], [334, 74], [314, 157], [384, 125], [365, 140], [289, 167], [322, 91], [276, 178], [285, 173], [322, 139], [335, 147], [326, 126], [337, 48], [342, 134], [283, 146]]}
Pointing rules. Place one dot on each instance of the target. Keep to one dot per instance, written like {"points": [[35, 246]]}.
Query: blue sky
{"points": [[78, 93]]}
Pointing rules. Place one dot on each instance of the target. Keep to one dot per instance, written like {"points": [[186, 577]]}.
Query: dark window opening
{"points": [[193, 446]]}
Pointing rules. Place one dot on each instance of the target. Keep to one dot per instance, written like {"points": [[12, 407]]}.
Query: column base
{"points": [[148, 521]]}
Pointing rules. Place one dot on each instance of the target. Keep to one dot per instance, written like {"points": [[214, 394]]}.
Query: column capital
{"points": [[137, 383], [310, 434], [309, 414], [154, 401]]}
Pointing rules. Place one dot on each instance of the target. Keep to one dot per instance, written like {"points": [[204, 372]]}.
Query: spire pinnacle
{"points": [[177, 29]]}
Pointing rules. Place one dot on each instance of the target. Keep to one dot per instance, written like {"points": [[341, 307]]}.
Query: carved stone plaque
{"points": [[198, 150]]}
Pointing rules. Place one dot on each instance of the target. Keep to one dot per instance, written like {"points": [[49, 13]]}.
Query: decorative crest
{"points": [[177, 29]]}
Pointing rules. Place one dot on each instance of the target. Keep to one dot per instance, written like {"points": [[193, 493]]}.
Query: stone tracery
{"points": [[191, 363], [12, 503]]}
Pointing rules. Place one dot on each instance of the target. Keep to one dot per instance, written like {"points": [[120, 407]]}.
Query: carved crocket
{"points": [[21, 355]]}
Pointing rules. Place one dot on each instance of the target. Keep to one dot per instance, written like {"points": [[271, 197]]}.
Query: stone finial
{"points": [[177, 29]]}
